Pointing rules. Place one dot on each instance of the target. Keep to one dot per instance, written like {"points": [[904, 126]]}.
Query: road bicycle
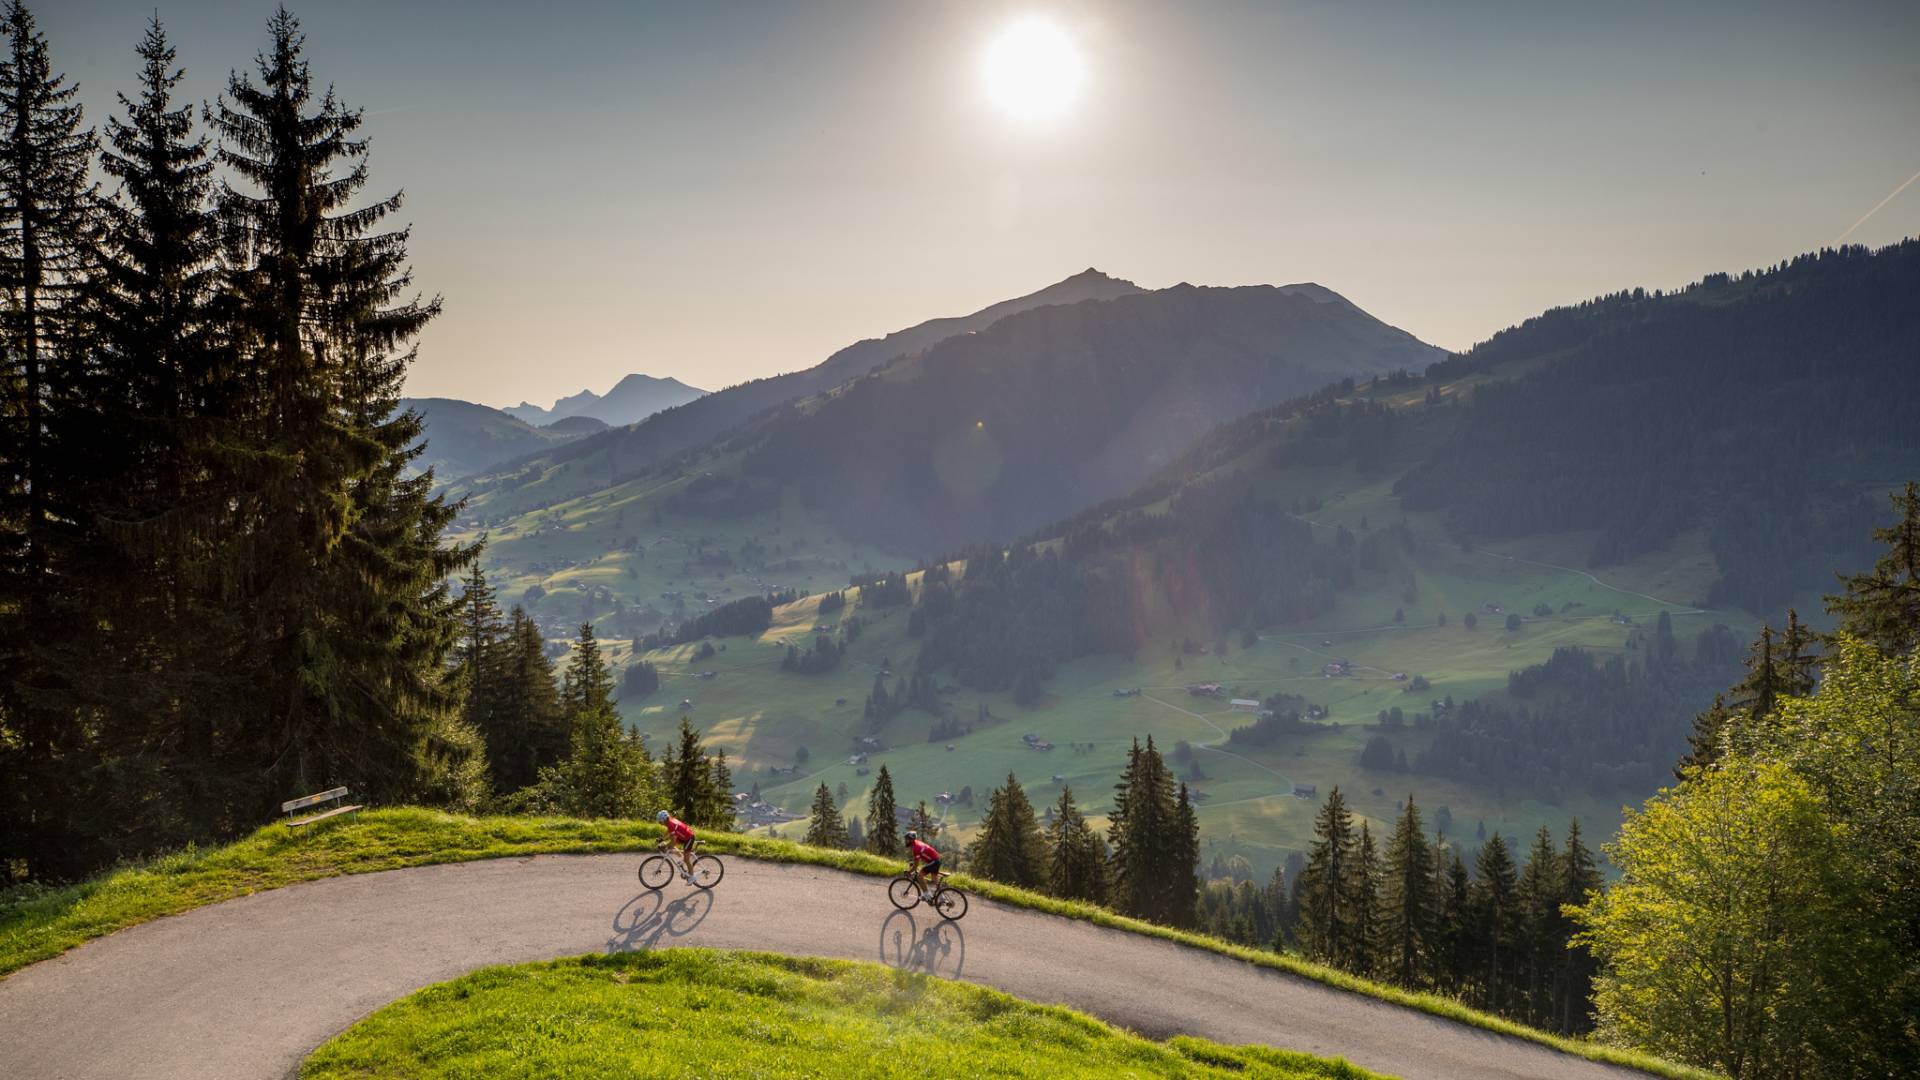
{"points": [[905, 891], [658, 869]]}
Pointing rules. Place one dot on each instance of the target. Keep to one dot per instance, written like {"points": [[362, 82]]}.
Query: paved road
{"points": [[248, 987]]}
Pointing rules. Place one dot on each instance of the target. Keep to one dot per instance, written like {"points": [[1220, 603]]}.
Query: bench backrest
{"points": [[291, 805]]}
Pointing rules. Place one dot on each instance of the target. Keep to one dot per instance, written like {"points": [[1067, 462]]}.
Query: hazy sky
{"points": [[722, 191]]}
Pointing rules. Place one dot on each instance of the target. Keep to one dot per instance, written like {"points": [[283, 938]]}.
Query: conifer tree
{"points": [[1494, 922], [1145, 834], [698, 785], [1182, 875], [1078, 870], [924, 823], [606, 774], [350, 609], [480, 625], [825, 828], [1010, 847], [1326, 921], [1407, 905], [46, 246], [1882, 606], [519, 711], [1538, 949], [159, 400], [883, 825], [1362, 889], [1579, 880], [1453, 934]]}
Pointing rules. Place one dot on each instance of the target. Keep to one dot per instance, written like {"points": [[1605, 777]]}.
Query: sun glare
{"points": [[1033, 70]]}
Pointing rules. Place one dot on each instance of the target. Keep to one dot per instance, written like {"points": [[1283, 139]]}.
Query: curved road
{"points": [[248, 987]]}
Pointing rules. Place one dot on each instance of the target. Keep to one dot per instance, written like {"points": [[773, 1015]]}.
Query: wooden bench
{"points": [[294, 806]]}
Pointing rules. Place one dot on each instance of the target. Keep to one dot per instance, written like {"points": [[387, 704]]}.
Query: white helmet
{"points": [[661, 817]]}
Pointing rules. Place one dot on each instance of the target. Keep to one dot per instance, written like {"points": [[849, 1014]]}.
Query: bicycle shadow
{"points": [[938, 948], [642, 921]]}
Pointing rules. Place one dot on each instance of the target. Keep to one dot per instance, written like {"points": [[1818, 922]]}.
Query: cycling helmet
{"points": [[911, 835], [661, 817]]}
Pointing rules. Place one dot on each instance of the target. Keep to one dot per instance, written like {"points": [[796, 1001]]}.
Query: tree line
{"points": [[1146, 865], [220, 585]]}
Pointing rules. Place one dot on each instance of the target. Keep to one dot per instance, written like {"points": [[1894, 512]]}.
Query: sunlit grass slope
{"points": [[695, 1013]]}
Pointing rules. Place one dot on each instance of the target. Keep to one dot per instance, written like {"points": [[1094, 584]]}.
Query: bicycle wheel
{"points": [[951, 904], [656, 871], [903, 892], [707, 871]]}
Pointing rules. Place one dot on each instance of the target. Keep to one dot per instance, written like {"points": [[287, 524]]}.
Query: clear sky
{"points": [[722, 191]]}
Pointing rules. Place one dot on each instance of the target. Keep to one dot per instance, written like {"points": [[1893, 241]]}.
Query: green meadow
{"points": [[698, 1013]]}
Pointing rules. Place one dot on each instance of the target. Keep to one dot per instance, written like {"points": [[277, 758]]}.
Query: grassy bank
{"points": [[694, 1013], [37, 924]]}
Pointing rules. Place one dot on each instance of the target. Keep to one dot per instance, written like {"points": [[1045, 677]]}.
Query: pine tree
{"points": [[1362, 889], [1883, 605], [1579, 880], [697, 785], [1494, 919], [1407, 903], [1010, 847], [1078, 870], [1325, 919], [923, 822], [825, 829], [480, 625], [883, 825], [45, 250], [1143, 830], [1453, 934], [1537, 952], [607, 773], [1776, 670], [351, 613], [519, 711], [159, 402], [1181, 873]]}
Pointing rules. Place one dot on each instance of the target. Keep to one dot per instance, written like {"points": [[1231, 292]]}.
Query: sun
{"points": [[1033, 70]]}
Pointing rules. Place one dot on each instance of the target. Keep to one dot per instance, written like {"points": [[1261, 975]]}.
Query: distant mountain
{"points": [[632, 399], [990, 435], [603, 460], [576, 426], [463, 438]]}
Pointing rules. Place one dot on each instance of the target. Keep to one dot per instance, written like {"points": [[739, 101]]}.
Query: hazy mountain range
{"points": [[632, 399]]}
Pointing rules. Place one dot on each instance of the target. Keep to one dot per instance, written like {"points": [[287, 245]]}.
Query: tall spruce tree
{"points": [[1453, 934], [883, 824], [1146, 837], [698, 784], [824, 828], [1182, 873], [162, 397], [1407, 902], [46, 248], [1078, 870], [1495, 925], [1362, 888], [1579, 881], [1882, 606], [517, 708], [1538, 946], [351, 614], [1326, 920], [1010, 847]]}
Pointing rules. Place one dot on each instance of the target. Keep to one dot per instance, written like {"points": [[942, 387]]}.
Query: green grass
{"points": [[36, 924], [698, 1013]]}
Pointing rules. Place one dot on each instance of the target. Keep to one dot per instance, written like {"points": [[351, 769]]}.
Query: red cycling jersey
{"points": [[921, 851], [678, 831]]}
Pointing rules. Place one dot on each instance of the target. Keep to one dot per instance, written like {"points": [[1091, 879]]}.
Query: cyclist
{"points": [[679, 835], [922, 862]]}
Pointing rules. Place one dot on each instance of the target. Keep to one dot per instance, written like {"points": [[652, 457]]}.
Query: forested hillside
{"points": [[462, 438], [623, 453], [992, 434], [1764, 408]]}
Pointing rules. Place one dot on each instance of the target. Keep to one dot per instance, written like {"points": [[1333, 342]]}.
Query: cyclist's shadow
{"points": [[937, 948], [648, 917]]}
